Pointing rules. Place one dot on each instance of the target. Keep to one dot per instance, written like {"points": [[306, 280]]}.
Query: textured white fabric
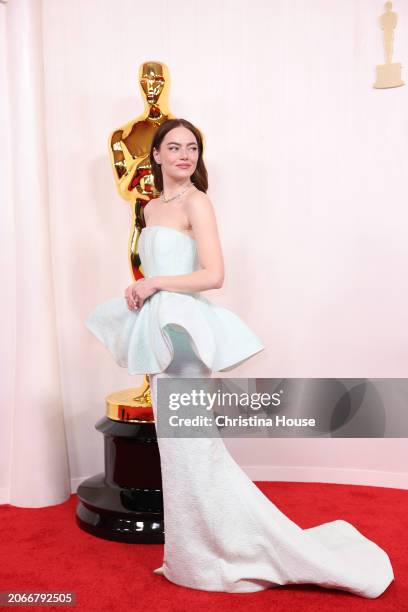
{"points": [[223, 534]]}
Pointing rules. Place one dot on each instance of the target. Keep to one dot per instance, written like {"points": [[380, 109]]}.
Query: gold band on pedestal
{"points": [[131, 405]]}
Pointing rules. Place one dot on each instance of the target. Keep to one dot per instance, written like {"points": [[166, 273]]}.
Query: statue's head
{"points": [[153, 77]]}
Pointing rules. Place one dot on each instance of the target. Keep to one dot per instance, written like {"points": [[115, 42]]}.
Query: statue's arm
{"points": [[123, 163]]}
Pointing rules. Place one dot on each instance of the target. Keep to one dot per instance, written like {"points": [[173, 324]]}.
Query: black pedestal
{"points": [[125, 503]]}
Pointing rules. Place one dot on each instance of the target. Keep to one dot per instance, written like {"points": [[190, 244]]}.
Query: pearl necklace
{"points": [[177, 195]]}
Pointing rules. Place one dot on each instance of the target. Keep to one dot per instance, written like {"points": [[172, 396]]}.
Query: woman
{"points": [[221, 532]]}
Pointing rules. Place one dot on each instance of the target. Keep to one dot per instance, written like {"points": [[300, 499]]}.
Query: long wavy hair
{"points": [[200, 176]]}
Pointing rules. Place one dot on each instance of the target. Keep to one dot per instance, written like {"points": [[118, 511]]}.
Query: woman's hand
{"points": [[138, 292]]}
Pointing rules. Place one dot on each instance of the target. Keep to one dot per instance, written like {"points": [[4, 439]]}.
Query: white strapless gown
{"points": [[221, 532]]}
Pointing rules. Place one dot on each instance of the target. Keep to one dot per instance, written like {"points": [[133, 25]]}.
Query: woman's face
{"points": [[178, 153]]}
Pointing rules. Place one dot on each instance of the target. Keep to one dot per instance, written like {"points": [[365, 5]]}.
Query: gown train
{"points": [[223, 534]]}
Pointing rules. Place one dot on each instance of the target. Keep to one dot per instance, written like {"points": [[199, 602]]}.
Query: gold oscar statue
{"points": [[125, 502], [129, 148], [388, 74]]}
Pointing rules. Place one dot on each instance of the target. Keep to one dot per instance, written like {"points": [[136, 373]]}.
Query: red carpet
{"points": [[43, 550]]}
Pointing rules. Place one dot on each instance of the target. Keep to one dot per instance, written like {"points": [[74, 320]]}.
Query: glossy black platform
{"points": [[125, 503]]}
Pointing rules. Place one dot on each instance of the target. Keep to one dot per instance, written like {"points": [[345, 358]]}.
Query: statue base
{"points": [[126, 502], [388, 75]]}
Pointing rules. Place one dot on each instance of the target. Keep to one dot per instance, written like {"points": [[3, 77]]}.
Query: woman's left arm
{"points": [[211, 275], [204, 225]]}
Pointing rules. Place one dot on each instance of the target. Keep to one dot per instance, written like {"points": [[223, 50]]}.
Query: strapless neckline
{"points": [[172, 229]]}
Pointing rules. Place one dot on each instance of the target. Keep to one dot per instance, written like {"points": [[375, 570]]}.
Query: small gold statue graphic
{"points": [[388, 74]]}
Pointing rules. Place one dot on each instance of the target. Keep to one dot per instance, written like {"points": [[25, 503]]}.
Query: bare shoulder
{"points": [[147, 207], [198, 196], [149, 203], [201, 216], [199, 203]]}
